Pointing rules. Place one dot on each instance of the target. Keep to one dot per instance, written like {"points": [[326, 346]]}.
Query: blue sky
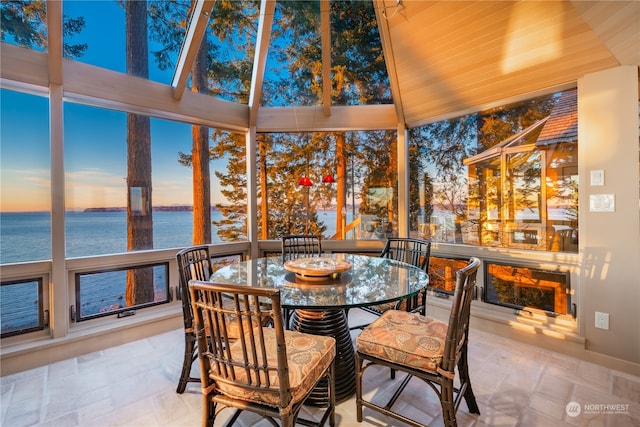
{"points": [[95, 139]]}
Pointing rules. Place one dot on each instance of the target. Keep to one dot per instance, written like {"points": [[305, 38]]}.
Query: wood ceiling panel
{"points": [[617, 24], [467, 54]]}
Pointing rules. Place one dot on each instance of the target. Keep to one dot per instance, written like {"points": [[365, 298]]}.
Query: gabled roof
{"points": [[562, 125], [558, 127], [525, 137]]}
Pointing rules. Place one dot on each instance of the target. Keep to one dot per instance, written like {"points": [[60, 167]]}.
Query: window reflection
{"points": [[519, 191]]}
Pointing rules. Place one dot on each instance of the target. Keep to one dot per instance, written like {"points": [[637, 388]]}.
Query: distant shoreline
{"points": [[171, 208], [178, 208]]}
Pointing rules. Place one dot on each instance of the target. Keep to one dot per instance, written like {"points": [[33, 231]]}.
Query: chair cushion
{"points": [[381, 308], [308, 357], [408, 339]]}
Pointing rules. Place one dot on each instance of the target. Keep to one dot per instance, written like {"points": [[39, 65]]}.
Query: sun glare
{"points": [[534, 35]]}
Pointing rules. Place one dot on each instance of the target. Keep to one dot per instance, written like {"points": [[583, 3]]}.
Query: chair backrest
{"points": [[250, 365], [458, 329], [300, 245], [194, 263], [410, 250]]}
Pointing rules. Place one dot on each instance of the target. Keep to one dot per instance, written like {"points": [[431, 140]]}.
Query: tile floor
{"points": [[134, 385]]}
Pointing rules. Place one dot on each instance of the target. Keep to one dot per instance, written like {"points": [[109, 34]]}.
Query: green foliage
{"points": [[233, 184], [494, 126], [443, 146], [26, 22]]}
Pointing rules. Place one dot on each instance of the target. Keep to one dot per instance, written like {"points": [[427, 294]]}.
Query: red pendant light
{"points": [[328, 179], [305, 181]]}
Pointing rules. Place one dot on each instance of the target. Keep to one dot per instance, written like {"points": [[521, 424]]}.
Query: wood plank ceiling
{"points": [[450, 57], [444, 59]]}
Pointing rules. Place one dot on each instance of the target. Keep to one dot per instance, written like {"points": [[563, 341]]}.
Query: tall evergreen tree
{"points": [[358, 75], [217, 72], [139, 204]]}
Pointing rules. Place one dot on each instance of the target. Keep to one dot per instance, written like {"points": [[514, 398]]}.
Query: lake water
{"points": [[26, 236]]}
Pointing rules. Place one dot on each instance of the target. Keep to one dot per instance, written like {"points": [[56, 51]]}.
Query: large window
{"points": [[294, 62], [338, 185], [25, 178], [104, 151], [505, 178]]}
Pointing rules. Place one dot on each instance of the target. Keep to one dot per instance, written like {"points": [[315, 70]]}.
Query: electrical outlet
{"points": [[602, 320]]}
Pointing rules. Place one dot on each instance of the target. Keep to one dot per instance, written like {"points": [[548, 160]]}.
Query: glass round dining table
{"points": [[319, 298]]}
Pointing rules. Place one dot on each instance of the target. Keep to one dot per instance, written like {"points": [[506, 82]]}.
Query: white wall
{"points": [[610, 241]]}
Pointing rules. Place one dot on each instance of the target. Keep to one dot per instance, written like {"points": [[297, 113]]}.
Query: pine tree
{"points": [[139, 203]]}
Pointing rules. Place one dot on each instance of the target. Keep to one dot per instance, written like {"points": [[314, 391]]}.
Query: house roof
{"points": [[562, 125], [526, 137]]}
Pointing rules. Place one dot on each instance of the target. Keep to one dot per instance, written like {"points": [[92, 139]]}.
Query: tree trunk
{"points": [[200, 157], [140, 288], [264, 200], [393, 178], [341, 180]]}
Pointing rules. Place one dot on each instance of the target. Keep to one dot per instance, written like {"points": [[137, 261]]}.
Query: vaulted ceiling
{"points": [[455, 56], [444, 58]]}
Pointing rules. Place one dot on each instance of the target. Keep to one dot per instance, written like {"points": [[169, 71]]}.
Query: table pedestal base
{"points": [[331, 323]]}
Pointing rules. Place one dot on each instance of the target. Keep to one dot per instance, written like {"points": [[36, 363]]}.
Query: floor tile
{"points": [[134, 385]]}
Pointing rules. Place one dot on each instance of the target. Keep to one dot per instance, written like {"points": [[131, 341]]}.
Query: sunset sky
{"points": [[95, 139]]}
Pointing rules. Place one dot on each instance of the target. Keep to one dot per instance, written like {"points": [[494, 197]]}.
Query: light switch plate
{"points": [[597, 178], [602, 203]]}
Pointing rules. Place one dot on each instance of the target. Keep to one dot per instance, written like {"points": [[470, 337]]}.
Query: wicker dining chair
{"points": [[416, 252], [425, 348], [267, 370], [300, 245], [193, 263]]}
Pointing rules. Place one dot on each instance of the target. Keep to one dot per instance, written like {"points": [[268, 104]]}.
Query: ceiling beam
{"points": [[192, 41], [54, 41], [313, 119], [325, 32], [267, 10], [382, 17], [91, 85]]}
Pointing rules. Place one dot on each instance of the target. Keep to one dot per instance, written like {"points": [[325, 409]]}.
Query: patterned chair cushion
{"points": [[408, 339], [308, 357], [381, 308]]}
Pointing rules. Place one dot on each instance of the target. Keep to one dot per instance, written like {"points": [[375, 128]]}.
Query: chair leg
{"points": [[209, 411], [358, 388], [332, 394], [448, 404], [287, 318], [463, 370], [189, 351], [286, 420]]}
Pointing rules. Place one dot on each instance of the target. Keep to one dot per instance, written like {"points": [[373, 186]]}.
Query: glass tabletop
{"points": [[370, 280]]}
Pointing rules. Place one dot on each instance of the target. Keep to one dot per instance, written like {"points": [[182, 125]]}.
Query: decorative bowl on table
{"points": [[317, 268]]}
